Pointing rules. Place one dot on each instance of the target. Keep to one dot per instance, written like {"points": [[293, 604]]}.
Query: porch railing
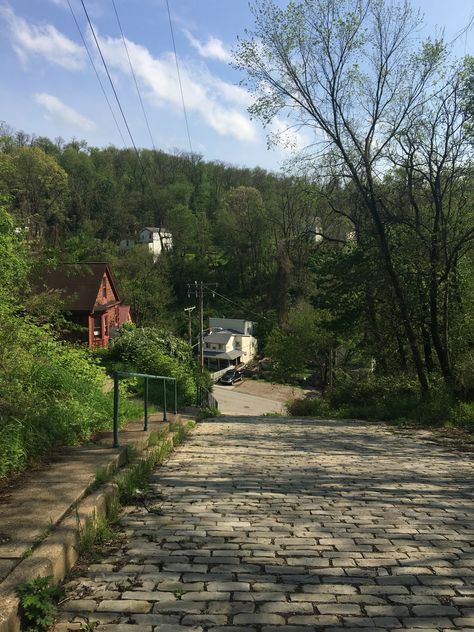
{"points": [[119, 374]]}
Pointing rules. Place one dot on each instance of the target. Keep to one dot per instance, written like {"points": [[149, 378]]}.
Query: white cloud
{"points": [[42, 40], [213, 49], [219, 104], [289, 136], [59, 110]]}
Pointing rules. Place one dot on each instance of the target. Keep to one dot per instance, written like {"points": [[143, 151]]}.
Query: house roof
{"points": [[219, 336], [223, 355], [79, 284]]}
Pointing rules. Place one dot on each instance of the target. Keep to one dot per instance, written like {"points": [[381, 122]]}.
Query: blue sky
{"points": [[49, 87]]}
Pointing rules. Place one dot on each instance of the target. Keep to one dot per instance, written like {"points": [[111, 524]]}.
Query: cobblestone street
{"points": [[276, 525]]}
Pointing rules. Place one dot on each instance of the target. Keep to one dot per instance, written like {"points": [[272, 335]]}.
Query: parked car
{"points": [[231, 377]]}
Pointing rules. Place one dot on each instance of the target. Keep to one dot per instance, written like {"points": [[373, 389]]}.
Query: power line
{"points": [[96, 73], [179, 77], [133, 75], [109, 77], [240, 306], [121, 109]]}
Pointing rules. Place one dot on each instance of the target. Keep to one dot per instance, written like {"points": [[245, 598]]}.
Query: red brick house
{"points": [[91, 299]]}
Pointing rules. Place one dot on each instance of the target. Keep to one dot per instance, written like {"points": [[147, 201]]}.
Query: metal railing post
{"points": [[116, 405], [164, 400], [145, 426], [175, 397]]}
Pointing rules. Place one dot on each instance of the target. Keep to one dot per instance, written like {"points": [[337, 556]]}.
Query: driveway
{"points": [[284, 525], [232, 401]]}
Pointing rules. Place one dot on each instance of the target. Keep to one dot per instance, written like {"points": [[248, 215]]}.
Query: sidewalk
{"points": [[32, 506]]}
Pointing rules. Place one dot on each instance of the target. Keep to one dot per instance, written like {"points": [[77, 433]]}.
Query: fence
{"points": [[147, 378], [205, 399]]}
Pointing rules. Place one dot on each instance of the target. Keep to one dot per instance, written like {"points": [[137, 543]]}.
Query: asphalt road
{"points": [[233, 402]]}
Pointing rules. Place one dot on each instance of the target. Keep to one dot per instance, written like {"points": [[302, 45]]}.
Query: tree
{"points": [[144, 284], [242, 227], [303, 339], [348, 71], [38, 189]]}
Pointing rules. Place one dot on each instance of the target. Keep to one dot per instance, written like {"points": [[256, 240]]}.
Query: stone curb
{"points": [[58, 552]]}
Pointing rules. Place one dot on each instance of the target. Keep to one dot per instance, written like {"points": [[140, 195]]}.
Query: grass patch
{"points": [[156, 437]]}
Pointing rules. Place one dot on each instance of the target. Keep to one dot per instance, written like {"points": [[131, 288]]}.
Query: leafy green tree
{"points": [[302, 340], [145, 286], [37, 187]]}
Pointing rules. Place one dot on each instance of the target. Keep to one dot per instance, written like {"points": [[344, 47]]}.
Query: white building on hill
{"points": [[228, 343], [157, 240]]}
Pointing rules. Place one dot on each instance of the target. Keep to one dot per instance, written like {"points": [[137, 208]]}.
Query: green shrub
{"points": [[463, 415], [311, 407], [387, 399], [51, 393], [156, 352]]}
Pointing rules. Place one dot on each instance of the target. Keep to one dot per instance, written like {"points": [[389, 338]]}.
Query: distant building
{"points": [[229, 342], [91, 299], [157, 240]]}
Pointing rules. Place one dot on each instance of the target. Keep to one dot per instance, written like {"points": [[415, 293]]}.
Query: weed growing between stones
{"points": [[39, 600]]}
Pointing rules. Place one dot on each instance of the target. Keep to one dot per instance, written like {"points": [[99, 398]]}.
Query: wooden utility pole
{"points": [[201, 326], [198, 289]]}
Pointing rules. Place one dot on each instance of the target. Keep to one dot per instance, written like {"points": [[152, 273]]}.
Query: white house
{"points": [[228, 343], [157, 240]]}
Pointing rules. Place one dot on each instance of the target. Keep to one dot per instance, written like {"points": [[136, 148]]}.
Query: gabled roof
{"points": [[79, 284], [219, 336]]}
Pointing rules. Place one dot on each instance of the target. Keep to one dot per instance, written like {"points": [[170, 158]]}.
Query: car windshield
{"points": [[229, 374]]}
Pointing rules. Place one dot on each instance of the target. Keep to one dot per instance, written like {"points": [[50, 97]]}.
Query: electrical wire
{"points": [[179, 78], [109, 77], [229, 300], [96, 73], [120, 108], [133, 75]]}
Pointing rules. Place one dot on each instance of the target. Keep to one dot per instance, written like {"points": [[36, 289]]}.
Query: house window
{"points": [[97, 327], [104, 288], [237, 345]]}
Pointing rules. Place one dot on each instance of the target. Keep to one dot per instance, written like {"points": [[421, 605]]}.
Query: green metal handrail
{"points": [[120, 374]]}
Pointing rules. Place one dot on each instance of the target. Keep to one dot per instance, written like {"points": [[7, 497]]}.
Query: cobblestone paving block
{"points": [[276, 525]]}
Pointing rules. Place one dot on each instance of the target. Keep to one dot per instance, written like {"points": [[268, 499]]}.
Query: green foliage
{"points": [[311, 407], [14, 265], [145, 286], [157, 352], [134, 481], [301, 340], [96, 532], [51, 393], [38, 603], [207, 413], [387, 399]]}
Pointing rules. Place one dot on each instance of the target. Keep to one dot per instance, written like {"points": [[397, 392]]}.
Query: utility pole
{"points": [[188, 310], [201, 326], [198, 289]]}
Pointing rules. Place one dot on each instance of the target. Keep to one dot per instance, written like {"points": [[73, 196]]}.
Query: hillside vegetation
{"points": [[358, 269]]}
